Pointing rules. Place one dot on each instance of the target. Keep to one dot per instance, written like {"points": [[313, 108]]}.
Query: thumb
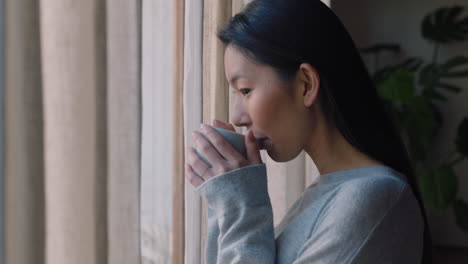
{"points": [[253, 149]]}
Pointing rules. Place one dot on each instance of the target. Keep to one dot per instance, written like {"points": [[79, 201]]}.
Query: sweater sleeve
{"points": [[240, 217], [211, 248]]}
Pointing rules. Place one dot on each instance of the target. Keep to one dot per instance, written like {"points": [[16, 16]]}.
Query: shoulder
{"points": [[366, 215], [374, 190], [364, 200], [371, 195]]}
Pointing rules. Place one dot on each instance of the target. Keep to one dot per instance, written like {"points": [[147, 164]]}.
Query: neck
{"points": [[331, 152]]}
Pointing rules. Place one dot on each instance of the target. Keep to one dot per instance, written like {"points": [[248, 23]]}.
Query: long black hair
{"points": [[283, 34]]}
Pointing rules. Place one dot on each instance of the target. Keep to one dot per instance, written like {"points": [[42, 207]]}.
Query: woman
{"points": [[300, 84]]}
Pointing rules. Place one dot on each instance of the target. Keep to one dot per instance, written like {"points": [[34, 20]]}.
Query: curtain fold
{"points": [[178, 140], [24, 146], [73, 66], [193, 52], [159, 134], [124, 130], [2, 132], [72, 118]]}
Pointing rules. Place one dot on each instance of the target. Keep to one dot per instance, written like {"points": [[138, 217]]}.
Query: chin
{"points": [[281, 158]]}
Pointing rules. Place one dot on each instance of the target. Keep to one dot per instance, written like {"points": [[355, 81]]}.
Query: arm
{"points": [[211, 248], [241, 205]]}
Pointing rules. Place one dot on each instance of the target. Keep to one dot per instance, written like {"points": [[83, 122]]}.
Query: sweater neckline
{"points": [[350, 173]]}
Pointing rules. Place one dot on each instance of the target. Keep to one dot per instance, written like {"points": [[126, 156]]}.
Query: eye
{"points": [[245, 90]]}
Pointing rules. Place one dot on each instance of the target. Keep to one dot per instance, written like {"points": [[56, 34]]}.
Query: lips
{"points": [[261, 140]]}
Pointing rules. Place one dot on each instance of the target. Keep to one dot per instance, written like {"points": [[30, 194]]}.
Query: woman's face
{"points": [[262, 104]]}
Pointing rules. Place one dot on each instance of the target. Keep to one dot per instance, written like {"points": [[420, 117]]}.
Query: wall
{"points": [[371, 21]]}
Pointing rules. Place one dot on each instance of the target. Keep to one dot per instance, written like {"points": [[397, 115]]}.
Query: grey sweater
{"points": [[362, 215]]}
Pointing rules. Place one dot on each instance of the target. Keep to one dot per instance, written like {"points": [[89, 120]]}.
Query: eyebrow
{"points": [[235, 78]]}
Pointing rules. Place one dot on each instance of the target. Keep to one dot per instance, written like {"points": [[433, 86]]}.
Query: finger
{"points": [[223, 125], [231, 127], [227, 151], [193, 178], [198, 165], [205, 147], [253, 149]]}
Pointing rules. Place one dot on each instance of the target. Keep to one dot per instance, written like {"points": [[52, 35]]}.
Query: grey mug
{"points": [[235, 139]]}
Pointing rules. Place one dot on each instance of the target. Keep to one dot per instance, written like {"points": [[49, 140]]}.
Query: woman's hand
{"points": [[221, 155]]}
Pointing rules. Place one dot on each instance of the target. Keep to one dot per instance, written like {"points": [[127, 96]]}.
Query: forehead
{"points": [[237, 65]]}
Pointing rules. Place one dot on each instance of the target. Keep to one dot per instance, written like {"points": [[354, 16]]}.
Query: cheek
{"points": [[269, 113], [263, 110]]}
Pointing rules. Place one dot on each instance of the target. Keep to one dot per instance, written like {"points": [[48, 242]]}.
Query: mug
{"points": [[235, 139]]}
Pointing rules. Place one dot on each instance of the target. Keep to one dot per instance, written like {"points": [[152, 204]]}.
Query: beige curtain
{"points": [[193, 65], [73, 131]]}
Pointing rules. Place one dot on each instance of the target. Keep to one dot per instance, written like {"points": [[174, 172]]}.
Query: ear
{"points": [[309, 83]]}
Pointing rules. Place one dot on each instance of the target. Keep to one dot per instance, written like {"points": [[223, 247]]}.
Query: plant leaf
{"points": [[412, 64], [420, 124], [432, 94], [399, 86], [456, 74], [429, 75], [462, 137], [456, 61], [448, 69], [383, 74], [445, 25], [449, 87], [439, 186]]}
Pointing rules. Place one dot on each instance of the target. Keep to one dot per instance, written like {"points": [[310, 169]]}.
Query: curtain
{"points": [[193, 78], [72, 114]]}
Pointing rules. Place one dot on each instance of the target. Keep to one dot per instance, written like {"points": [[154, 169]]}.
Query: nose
{"points": [[239, 115]]}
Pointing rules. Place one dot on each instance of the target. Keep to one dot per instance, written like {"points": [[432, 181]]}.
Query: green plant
{"points": [[410, 89]]}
